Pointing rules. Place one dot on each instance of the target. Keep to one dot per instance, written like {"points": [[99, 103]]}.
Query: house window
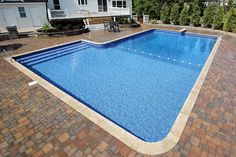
{"points": [[114, 4], [119, 4], [56, 4], [102, 5], [22, 12], [124, 4], [82, 2]]}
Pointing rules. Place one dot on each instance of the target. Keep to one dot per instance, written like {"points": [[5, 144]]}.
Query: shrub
{"points": [[153, 21], [69, 27], [174, 16], [59, 27], [165, 13], [208, 16], [46, 27], [132, 21], [123, 20], [196, 13], [184, 20], [201, 20], [218, 18], [230, 21], [78, 26], [120, 20]]}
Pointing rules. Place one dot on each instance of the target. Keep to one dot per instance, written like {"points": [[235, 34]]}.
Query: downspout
{"points": [[46, 1]]}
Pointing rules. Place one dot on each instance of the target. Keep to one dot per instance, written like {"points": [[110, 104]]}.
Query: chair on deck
{"points": [[117, 27], [106, 25], [113, 26]]}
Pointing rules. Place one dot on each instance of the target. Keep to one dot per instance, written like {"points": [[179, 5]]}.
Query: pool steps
{"points": [[40, 53], [52, 54]]}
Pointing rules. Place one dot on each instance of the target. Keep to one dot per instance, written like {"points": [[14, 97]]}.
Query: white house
{"points": [[67, 9], [22, 13], [34, 13]]}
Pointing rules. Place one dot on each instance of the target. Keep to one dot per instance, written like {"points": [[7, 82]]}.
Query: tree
{"points": [[230, 22], [174, 16], [208, 16], [230, 4], [196, 13], [218, 18], [165, 13], [139, 7], [153, 8], [150, 7], [181, 4], [184, 19], [202, 6]]}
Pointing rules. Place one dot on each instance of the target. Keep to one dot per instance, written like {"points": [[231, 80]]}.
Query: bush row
{"points": [[61, 27], [194, 13]]}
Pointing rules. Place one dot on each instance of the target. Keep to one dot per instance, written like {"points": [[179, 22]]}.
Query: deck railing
{"points": [[57, 13], [119, 11], [79, 13]]}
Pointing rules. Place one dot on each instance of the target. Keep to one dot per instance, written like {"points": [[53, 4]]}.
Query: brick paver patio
{"points": [[33, 122]]}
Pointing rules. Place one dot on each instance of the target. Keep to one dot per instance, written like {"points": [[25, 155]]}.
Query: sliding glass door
{"points": [[102, 5]]}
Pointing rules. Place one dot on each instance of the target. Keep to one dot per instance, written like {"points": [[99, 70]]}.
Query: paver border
{"points": [[150, 148]]}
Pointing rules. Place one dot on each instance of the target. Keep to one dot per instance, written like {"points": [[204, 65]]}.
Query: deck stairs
{"points": [[98, 23], [96, 27]]}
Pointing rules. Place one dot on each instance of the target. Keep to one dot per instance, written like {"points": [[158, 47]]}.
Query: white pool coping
{"points": [[149, 148]]}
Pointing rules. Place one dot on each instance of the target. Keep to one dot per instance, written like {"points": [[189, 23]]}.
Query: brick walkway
{"points": [[34, 122]]}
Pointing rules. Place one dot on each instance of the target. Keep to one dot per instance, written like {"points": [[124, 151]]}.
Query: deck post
{"points": [[88, 21]]}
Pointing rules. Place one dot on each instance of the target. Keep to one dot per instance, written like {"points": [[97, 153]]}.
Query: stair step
{"points": [[50, 51], [60, 54], [99, 20], [96, 26], [35, 58]]}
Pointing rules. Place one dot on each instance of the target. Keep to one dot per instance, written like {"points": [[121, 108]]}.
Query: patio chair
{"points": [[117, 27], [106, 25], [111, 26]]}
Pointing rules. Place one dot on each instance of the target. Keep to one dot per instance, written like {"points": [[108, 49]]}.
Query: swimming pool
{"points": [[140, 82]]}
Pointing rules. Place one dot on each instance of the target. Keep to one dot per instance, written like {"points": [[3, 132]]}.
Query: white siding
{"points": [[50, 4], [2, 22], [92, 5], [27, 21]]}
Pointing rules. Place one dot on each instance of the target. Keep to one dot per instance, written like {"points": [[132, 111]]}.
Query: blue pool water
{"points": [[139, 83]]}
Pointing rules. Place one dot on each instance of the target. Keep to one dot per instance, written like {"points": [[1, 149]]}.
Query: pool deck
{"points": [[33, 122]]}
